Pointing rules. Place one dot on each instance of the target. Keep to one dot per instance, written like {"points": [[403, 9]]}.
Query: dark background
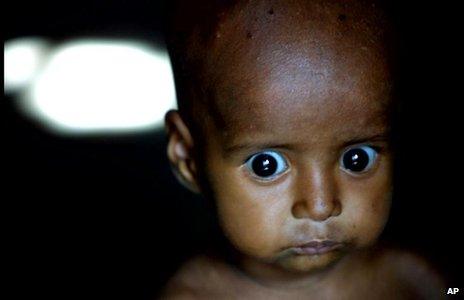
{"points": [[103, 217]]}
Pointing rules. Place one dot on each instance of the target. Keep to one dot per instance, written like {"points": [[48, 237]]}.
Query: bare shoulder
{"points": [[199, 278], [412, 272], [409, 266]]}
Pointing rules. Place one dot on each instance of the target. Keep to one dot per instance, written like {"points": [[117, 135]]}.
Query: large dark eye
{"points": [[359, 159], [267, 164]]}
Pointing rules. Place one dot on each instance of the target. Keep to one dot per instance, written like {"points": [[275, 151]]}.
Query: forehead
{"points": [[275, 116], [282, 68]]}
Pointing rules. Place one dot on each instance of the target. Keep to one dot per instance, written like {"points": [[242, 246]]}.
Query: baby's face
{"points": [[297, 155]]}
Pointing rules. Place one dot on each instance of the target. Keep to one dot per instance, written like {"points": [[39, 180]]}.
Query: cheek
{"points": [[367, 206], [252, 216]]}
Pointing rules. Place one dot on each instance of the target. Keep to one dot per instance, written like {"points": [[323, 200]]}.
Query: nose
{"points": [[316, 195]]}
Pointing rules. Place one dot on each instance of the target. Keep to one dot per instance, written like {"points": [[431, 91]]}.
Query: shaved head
{"points": [[222, 50]]}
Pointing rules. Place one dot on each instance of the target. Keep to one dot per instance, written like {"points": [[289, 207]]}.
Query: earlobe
{"points": [[179, 151]]}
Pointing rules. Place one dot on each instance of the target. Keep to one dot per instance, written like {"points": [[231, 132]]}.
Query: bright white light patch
{"points": [[97, 86], [23, 58]]}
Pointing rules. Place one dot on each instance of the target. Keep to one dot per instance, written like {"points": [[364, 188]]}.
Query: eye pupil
{"points": [[264, 165], [356, 160]]}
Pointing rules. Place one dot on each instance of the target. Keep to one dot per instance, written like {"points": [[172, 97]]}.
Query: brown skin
{"points": [[374, 273], [309, 85]]}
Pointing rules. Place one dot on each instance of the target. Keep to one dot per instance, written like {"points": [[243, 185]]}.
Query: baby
{"points": [[283, 124]]}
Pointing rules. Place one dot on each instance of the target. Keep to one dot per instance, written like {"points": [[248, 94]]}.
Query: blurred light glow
{"points": [[98, 86], [22, 60]]}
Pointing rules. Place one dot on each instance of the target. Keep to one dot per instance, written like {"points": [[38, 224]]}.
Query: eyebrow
{"points": [[381, 137], [256, 145]]}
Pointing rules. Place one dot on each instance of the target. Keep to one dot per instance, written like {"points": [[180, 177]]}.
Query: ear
{"points": [[180, 151]]}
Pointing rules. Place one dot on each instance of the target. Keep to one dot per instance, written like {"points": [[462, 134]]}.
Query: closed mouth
{"points": [[317, 247]]}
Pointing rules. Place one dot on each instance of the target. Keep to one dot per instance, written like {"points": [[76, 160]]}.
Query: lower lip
{"points": [[316, 250]]}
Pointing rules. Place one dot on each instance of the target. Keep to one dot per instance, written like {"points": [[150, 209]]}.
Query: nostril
{"points": [[299, 211], [316, 210], [337, 209]]}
